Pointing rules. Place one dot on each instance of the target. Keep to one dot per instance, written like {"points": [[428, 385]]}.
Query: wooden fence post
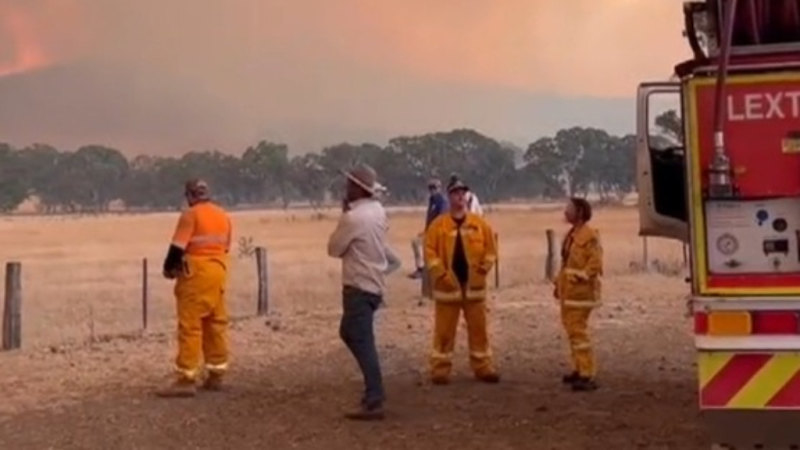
{"points": [[12, 311], [425, 285], [497, 263], [550, 261], [145, 293], [425, 279], [263, 281]]}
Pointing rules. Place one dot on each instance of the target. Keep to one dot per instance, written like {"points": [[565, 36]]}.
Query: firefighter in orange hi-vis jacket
{"points": [[460, 251], [578, 291], [198, 261]]}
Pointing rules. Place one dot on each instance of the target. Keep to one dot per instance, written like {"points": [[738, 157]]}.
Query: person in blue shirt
{"points": [[437, 204]]}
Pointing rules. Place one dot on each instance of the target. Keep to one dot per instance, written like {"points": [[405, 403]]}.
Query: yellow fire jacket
{"points": [[578, 282], [480, 249]]}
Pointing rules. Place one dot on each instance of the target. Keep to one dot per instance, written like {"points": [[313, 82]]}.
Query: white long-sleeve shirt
{"points": [[473, 204], [359, 240], [392, 260]]}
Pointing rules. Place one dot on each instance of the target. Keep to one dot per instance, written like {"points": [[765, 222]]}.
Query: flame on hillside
{"points": [[18, 29], [37, 34]]}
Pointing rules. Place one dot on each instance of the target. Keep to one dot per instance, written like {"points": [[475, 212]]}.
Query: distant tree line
{"points": [[94, 177]]}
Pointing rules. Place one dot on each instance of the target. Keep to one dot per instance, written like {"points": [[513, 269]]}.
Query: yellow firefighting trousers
{"points": [[445, 326], [576, 321], [202, 317]]}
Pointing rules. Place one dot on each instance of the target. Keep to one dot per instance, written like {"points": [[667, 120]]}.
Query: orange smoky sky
{"points": [[571, 47], [190, 72]]}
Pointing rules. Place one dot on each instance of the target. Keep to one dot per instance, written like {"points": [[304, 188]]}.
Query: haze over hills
{"points": [[76, 104]]}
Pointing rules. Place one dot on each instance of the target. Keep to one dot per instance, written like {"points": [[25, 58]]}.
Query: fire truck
{"points": [[718, 167]]}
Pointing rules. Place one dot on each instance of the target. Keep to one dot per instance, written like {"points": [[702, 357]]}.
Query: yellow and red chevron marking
{"points": [[731, 380]]}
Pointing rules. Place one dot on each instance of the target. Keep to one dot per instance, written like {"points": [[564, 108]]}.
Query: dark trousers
{"points": [[357, 333]]}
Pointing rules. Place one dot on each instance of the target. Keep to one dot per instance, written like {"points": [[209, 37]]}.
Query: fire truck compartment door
{"points": [[660, 162], [753, 237]]}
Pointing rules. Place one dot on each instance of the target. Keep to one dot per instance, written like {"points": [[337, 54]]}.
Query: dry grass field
{"points": [[85, 374]]}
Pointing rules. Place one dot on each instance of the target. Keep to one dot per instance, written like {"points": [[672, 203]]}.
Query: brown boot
{"points": [[213, 382], [584, 384], [366, 413], [182, 388], [440, 380], [489, 377]]}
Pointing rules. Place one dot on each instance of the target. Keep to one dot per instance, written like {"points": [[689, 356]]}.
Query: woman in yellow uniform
{"points": [[578, 291]]}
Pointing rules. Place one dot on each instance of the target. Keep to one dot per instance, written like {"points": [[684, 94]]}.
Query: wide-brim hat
{"points": [[364, 177]]}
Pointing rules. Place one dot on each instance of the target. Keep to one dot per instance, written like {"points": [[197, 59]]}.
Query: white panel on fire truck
{"points": [[753, 236]]}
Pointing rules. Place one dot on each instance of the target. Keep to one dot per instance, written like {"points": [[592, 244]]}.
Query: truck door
{"points": [[660, 162]]}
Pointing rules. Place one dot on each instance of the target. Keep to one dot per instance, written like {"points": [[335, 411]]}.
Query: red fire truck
{"points": [[720, 171]]}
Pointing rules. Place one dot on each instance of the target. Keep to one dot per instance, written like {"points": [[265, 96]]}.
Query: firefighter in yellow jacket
{"points": [[460, 251], [578, 291], [198, 260]]}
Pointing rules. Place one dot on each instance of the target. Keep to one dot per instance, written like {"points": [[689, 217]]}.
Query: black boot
{"points": [[213, 382], [571, 378], [583, 384]]}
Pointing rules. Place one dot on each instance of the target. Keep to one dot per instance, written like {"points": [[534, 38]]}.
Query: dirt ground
{"points": [[85, 376]]}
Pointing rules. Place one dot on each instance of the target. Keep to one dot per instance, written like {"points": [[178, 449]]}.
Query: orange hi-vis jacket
{"points": [[578, 283], [203, 230], [479, 247]]}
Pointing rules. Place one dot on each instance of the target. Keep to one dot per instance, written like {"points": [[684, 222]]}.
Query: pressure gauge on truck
{"points": [[727, 244]]}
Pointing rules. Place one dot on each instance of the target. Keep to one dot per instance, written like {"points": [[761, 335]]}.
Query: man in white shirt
{"points": [[473, 204], [360, 242], [394, 261]]}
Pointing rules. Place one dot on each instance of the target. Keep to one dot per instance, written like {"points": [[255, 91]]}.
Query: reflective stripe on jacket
{"points": [[578, 283], [203, 230], [479, 247]]}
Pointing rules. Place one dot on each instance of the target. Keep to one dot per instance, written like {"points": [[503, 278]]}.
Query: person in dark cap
{"points": [[460, 251], [473, 205], [359, 240], [437, 204]]}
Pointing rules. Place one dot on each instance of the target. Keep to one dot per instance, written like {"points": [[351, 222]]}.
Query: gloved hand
{"points": [[448, 280], [173, 263], [578, 276], [484, 268], [170, 274]]}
